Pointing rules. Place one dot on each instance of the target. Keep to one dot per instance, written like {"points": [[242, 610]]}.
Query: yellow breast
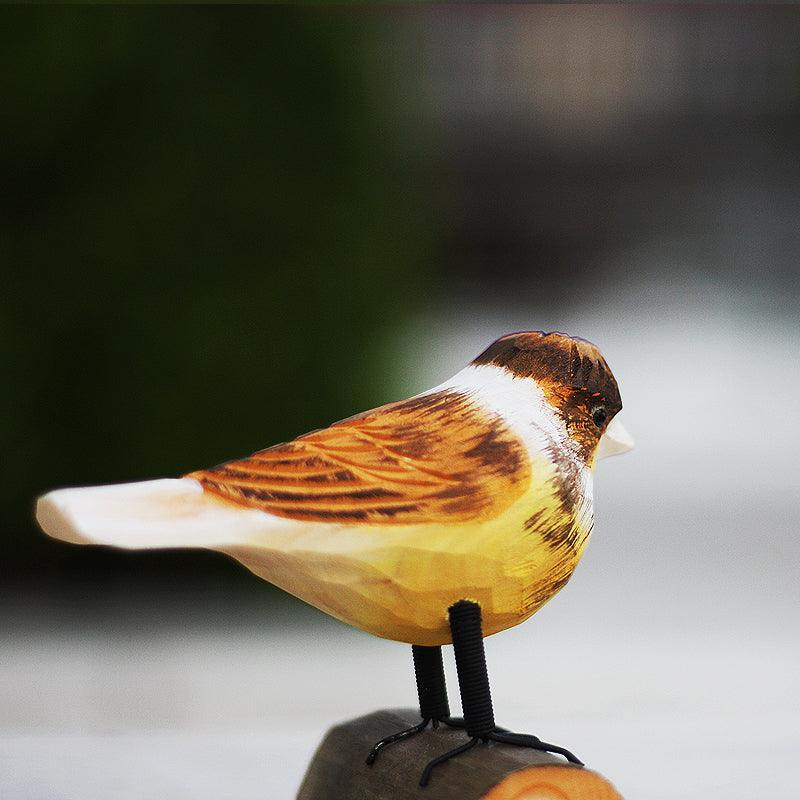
{"points": [[397, 581]]}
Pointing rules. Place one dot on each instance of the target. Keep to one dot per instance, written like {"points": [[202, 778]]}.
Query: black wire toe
{"points": [[534, 742], [395, 737], [426, 773]]}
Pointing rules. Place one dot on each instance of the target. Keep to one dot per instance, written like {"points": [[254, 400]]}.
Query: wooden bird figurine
{"points": [[443, 518]]}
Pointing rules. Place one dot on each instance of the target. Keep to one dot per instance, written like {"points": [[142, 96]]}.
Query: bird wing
{"points": [[437, 458]]}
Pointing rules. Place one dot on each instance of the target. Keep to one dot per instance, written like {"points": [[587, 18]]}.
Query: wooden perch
{"points": [[488, 772]]}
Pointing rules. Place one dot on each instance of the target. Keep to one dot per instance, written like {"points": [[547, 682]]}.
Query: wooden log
{"points": [[488, 772]]}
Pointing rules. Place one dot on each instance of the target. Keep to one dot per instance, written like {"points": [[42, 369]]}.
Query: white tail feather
{"points": [[172, 512]]}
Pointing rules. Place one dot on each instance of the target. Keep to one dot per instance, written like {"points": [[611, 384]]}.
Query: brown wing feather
{"points": [[434, 458]]}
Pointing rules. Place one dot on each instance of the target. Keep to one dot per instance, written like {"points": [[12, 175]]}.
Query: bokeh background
{"points": [[222, 227]]}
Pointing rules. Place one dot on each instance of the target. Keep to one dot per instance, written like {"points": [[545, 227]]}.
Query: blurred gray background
{"points": [[224, 227]]}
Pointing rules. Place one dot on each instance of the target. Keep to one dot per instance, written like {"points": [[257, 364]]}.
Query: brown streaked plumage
{"points": [[435, 458]]}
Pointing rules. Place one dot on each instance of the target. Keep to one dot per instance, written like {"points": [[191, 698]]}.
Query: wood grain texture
{"points": [[488, 772], [434, 458]]}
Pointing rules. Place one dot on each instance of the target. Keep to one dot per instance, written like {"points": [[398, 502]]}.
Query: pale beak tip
{"points": [[615, 441]]}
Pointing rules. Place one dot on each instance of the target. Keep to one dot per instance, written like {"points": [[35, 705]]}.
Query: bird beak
{"points": [[614, 441]]}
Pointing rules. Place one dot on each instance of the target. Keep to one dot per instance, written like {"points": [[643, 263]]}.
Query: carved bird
{"points": [[442, 518]]}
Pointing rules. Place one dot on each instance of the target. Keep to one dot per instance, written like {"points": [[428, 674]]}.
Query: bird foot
{"points": [[500, 735], [431, 765], [534, 742], [399, 737]]}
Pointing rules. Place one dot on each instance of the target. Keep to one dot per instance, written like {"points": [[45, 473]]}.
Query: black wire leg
{"points": [[476, 696], [431, 685], [432, 693], [460, 724]]}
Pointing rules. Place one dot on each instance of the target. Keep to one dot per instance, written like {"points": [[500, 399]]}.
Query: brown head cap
{"points": [[555, 358], [570, 371]]}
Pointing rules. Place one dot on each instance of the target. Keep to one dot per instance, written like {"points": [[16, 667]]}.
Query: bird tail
{"points": [[174, 512]]}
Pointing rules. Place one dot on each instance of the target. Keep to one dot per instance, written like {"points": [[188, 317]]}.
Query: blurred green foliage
{"points": [[207, 234]]}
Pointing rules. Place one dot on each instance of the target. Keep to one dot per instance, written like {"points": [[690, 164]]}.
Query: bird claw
{"points": [[397, 737], [429, 767], [500, 735], [534, 742]]}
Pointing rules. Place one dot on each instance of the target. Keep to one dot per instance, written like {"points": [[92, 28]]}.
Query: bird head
{"points": [[576, 382]]}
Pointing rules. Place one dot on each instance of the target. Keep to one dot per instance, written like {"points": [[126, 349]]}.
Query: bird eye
{"points": [[599, 415]]}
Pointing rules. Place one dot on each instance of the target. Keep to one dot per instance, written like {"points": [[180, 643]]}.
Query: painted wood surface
{"points": [[478, 489], [487, 772]]}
